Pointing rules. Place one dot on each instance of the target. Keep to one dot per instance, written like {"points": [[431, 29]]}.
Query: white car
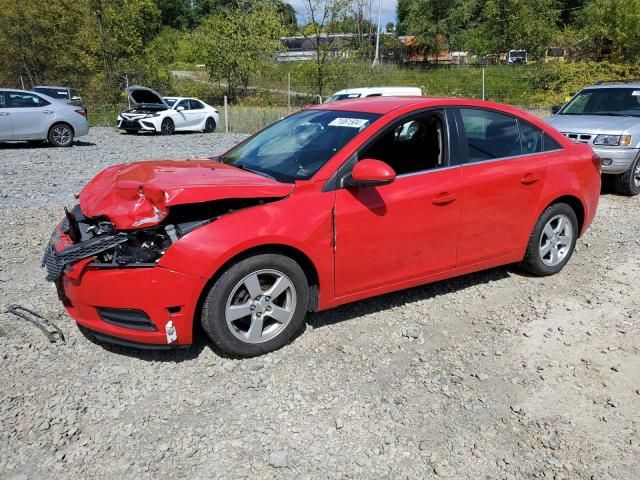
{"points": [[351, 93], [154, 113]]}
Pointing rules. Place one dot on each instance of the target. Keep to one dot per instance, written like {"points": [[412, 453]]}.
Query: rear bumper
{"points": [[162, 294], [621, 159]]}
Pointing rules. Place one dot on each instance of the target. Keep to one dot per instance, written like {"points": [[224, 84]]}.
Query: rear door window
{"points": [[25, 100], [490, 135], [196, 105]]}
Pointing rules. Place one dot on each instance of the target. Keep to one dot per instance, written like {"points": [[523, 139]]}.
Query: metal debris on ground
{"points": [[50, 329]]}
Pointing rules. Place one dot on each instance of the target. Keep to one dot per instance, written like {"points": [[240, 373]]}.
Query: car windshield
{"points": [[605, 101], [296, 147], [59, 93], [170, 101]]}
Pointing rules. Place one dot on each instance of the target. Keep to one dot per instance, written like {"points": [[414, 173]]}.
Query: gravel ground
{"points": [[495, 375]]}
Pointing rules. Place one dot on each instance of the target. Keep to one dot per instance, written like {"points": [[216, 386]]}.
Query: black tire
{"points": [[209, 125], [60, 135], [213, 316], [533, 261], [628, 183], [167, 127]]}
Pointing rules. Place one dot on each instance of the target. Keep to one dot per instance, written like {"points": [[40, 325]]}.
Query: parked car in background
{"points": [[35, 117], [154, 113], [333, 204], [515, 57], [607, 118], [71, 95], [351, 93]]}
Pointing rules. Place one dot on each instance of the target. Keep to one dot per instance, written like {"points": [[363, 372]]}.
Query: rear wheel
{"points": [[60, 135], [256, 306], [167, 127], [552, 241], [210, 125], [628, 183]]}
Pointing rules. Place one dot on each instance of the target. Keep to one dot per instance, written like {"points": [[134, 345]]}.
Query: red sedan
{"points": [[332, 204]]}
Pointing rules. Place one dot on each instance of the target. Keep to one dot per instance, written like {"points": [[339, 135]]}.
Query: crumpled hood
{"points": [[593, 124], [139, 194]]}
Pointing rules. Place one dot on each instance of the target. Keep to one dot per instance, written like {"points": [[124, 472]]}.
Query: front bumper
{"points": [[139, 125], [621, 158], [163, 295]]}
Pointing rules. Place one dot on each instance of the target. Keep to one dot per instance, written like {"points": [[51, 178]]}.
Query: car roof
{"points": [[384, 105], [50, 86]]}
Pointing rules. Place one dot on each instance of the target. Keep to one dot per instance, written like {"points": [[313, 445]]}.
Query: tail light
{"points": [[81, 112], [597, 161]]}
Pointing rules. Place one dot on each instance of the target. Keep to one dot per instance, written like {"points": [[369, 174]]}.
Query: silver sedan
{"points": [[35, 117]]}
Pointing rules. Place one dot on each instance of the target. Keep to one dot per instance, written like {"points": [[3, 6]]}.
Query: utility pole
{"points": [[376, 58]]}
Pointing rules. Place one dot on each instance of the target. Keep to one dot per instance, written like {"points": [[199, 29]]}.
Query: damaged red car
{"points": [[330, 205]]}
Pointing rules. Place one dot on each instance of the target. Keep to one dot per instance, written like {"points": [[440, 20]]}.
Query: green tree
{"points": [[235, 44], [610, 27], [176, 13], [39, 41]]}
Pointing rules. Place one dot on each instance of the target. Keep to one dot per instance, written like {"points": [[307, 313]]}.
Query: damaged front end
{"points": [[79, 242]]}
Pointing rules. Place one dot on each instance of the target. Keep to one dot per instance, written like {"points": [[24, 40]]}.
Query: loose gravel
{"points": [[495, 375]]}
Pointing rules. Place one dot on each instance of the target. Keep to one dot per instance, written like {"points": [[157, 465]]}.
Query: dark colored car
{"points": [[71, 95]]}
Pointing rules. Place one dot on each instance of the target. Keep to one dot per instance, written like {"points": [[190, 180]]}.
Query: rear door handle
{"points": [[3, 114], [529, 178], [48, 112], [444, 198]]}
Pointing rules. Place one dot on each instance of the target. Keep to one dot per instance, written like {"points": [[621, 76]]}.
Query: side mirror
{"points": [[371, 173], [556, 108], [179, 109]]}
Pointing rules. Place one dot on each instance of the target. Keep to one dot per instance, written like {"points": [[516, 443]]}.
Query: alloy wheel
{"points": [[556, 240], [61, 135], [260, 306], [636, 175], [210, 125], [167, 127]]}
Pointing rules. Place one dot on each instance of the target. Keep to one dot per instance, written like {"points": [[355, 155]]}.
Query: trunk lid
{"points": [[139, 195]]}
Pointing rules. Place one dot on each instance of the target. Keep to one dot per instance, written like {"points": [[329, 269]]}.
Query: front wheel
{"points": [[210, 125], [257, 306], [628, 183], [167, 127], [552, 241], [60, 135]]}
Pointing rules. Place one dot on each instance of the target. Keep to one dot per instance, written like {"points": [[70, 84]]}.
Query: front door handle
{"points": [[3, 114], [444, 198], [529, 179]]}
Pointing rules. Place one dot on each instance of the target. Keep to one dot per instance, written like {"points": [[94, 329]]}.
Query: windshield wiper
{"points": [[257, 172]]}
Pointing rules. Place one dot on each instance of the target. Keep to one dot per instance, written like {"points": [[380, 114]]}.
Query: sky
{"points": [[388, 12]]}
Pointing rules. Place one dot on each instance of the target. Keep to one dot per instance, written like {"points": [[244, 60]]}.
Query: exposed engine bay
{"points": [[98, 238]]}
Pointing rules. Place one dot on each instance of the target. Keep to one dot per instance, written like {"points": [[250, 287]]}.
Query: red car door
{"points": [[501, 183], [409, 228]]}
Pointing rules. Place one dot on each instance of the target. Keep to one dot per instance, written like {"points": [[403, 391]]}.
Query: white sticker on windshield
{"points": [[636, 93], [348, 122]]}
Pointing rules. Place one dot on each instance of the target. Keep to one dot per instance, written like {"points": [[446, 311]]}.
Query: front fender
{"points": [[301, 221]]}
